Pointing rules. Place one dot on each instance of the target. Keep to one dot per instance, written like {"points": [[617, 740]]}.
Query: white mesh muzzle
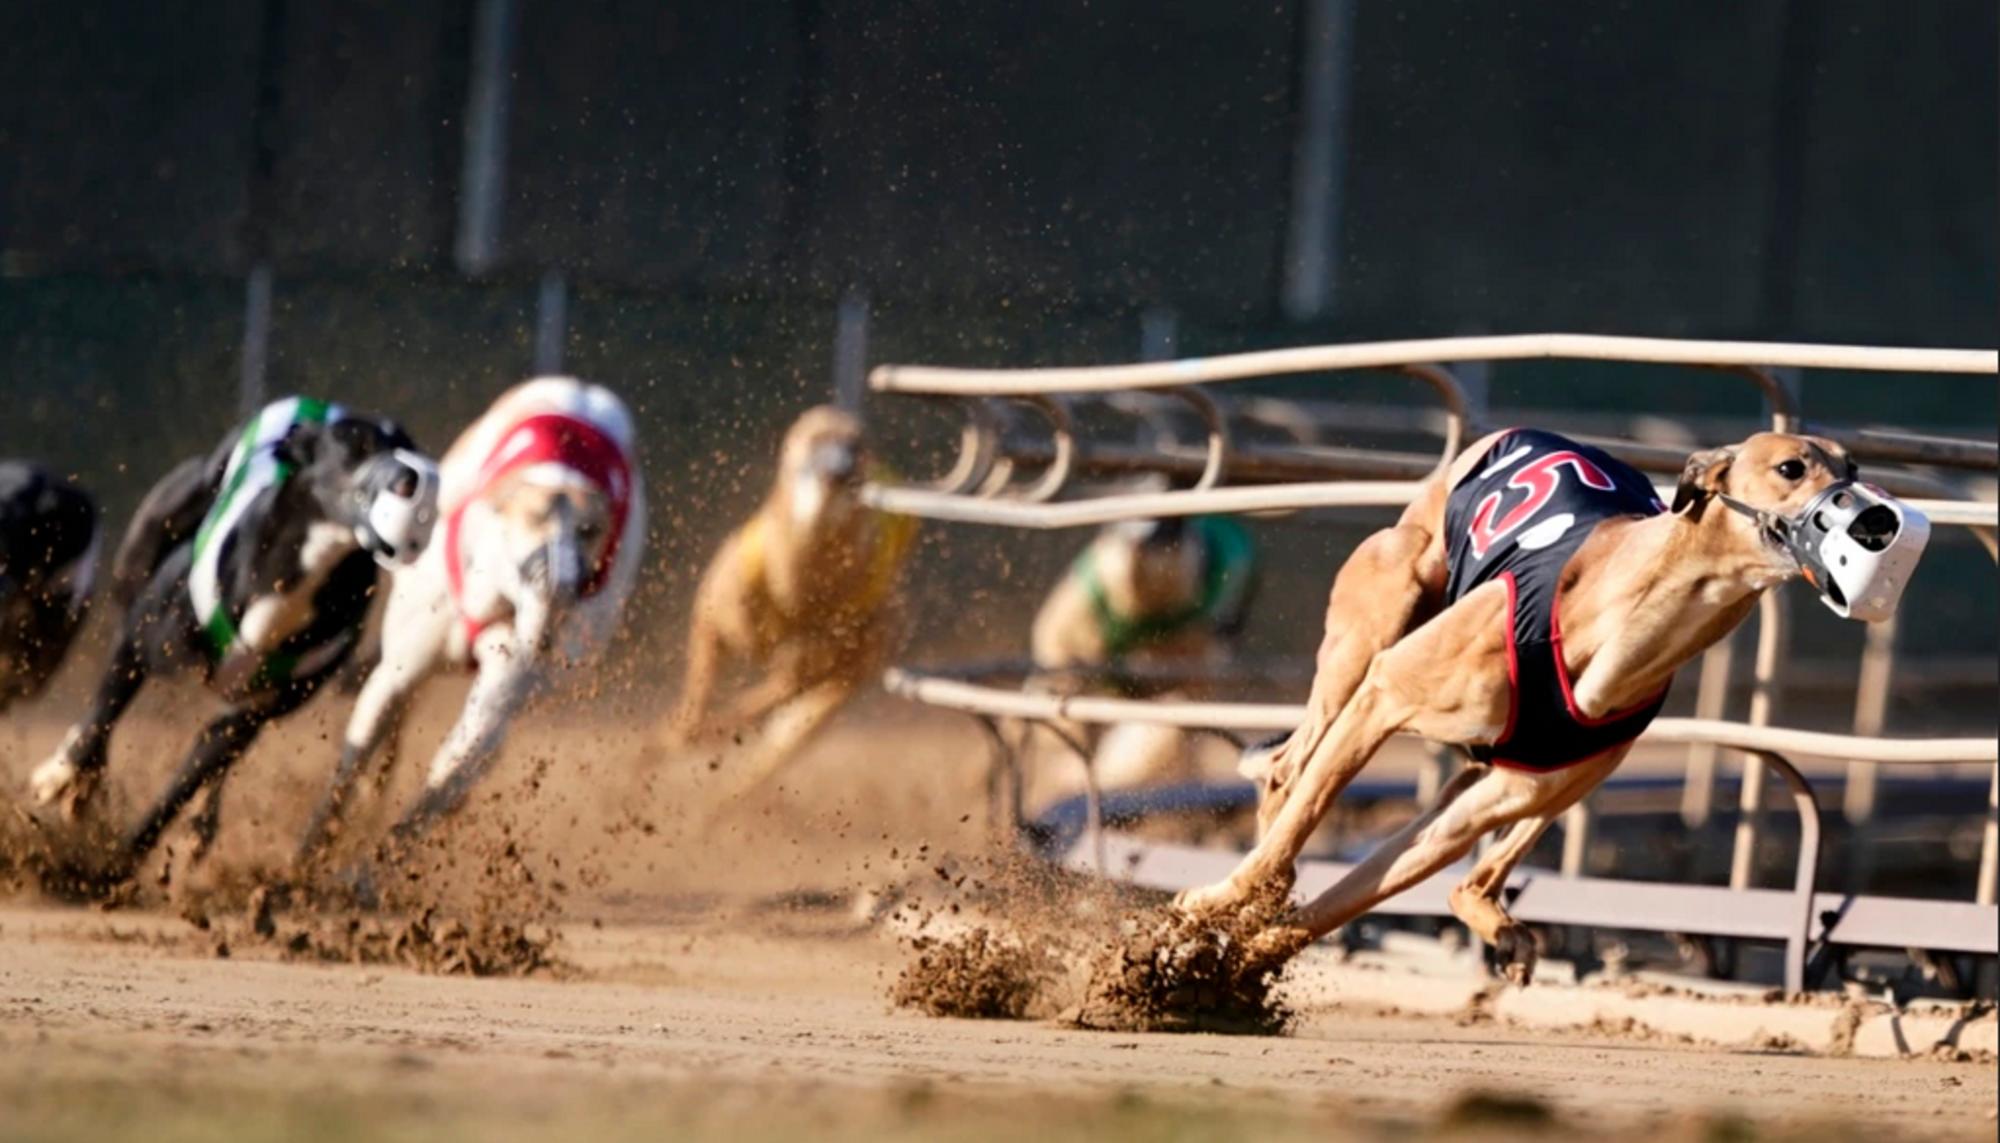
{"points": [[1858, 546], [399, 527]]}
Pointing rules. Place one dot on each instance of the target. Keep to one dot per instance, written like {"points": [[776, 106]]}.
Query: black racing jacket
{"points": [[1518, 518]]}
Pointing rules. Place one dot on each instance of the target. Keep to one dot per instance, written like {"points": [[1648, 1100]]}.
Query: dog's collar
{"points": [[1227, 561], [1776, 526]]}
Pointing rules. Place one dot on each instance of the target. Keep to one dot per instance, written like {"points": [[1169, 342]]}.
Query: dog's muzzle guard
{"points": [[1854, 543], [399, 494]]}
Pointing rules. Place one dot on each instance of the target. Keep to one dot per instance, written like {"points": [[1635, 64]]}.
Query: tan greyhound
{"points": [[1533, 603], [805, 592]]}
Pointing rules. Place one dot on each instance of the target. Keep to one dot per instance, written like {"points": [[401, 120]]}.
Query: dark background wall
{"points": [[1007, 182]]}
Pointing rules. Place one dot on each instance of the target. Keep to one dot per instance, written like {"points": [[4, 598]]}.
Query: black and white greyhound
{"points": [[48, 558], [256, 566]]}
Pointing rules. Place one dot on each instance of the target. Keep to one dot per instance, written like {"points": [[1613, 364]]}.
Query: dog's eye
{"points": [[1793, 469]]}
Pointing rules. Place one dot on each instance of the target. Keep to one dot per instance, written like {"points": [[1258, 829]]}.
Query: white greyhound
{"points": [[543, 523]]}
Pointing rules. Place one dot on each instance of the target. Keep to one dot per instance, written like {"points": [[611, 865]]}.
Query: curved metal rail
{"points": [[1099, 510], [975, 698], [1390, 354]]}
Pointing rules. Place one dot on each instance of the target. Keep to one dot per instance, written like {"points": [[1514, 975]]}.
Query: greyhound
{"points": [[544, 525], [255, 566], [806, 590], [1175, 590], [1533, 604], [48, 561]]}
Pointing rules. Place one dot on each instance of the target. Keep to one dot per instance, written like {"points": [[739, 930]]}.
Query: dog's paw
{"points": [[1206, 900], [61, 782], [1271, 948], [1515, 953]]}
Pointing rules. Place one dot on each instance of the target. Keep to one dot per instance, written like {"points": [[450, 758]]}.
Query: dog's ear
{"points": [[302, 443], [1836, 459], [1701, 479], [359, 438]]}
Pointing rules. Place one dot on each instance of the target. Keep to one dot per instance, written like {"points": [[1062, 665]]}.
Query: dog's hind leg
{"points": [[221, 745], [1447, 681], [206, 820], [504, 685], [1386, 586], [1337, 755]]}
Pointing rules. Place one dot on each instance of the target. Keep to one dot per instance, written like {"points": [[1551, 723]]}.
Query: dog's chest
{"points": [[274, 617]]}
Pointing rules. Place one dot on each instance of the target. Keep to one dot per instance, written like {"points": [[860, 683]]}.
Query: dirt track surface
{"points": [[731, 991], [753, 1018]]}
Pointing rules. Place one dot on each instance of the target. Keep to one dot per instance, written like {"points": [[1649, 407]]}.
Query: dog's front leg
{"points": [[378, 714], [72, 775], [793, 725], [504, 685], [1476, 900], [704, 660]]}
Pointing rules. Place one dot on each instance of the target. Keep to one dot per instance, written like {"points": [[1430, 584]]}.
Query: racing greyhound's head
{"points": [[1798, 503], [366, 474], [821, 467], [558, 526], [1151, 566]]}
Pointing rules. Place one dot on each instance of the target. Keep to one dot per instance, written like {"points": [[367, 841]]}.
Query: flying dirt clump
{"points": [[423, 943], [1176, 973], [978, 974]]}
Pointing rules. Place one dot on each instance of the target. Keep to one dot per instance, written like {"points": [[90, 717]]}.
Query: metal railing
{"points": [[1236, 476]]}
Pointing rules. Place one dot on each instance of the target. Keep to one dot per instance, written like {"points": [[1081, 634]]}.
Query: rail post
{"points": [[551, 322], [850, 350], [1805, 878], [1871, 709], [254, 363], [1989, 846], [1763, 698], [1003, 780], [1711, 701]]}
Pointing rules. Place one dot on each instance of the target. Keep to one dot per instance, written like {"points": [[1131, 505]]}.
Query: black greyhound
{"points": [[255, 565], [48, 557]]}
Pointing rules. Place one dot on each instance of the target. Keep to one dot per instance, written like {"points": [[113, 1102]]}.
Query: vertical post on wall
{"points": [[256, 357], [551, 323], [483, 176], [1319, 159], [1159, 334], [850, 350]]}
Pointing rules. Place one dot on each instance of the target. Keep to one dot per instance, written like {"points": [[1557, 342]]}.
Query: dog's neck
{"points": [[1649, 595], [1139, 583], [815, 557]]}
